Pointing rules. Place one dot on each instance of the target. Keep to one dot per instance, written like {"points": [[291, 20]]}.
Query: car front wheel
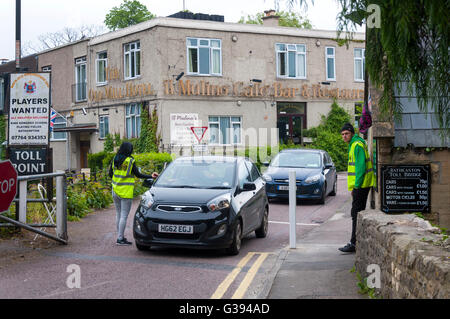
{"points": [[237, 239], [261, 232], [142, 247]]}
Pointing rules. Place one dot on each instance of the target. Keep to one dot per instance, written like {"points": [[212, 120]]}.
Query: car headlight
{"points": [[219, 203], [147, 200], [267, 178], [312, 179]]}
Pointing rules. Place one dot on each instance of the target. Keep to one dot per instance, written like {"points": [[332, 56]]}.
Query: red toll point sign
{"points": [[8, 185]]}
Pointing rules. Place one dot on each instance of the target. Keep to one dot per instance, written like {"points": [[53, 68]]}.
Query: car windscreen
{"points": [[297, 159], [198, 174]]}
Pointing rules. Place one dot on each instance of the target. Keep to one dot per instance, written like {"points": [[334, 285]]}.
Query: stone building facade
{"points": [[228, 80]]}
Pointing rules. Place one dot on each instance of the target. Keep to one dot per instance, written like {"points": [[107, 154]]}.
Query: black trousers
{"points": [[358, 204]]}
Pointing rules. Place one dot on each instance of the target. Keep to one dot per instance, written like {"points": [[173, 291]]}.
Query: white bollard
{"points": [[292, 209], [61, 213], [23, 201]]}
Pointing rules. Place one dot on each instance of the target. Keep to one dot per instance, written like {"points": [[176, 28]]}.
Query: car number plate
{"points": [[283, 188], [176, 229]]}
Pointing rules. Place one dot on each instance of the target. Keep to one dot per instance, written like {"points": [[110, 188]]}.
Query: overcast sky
{"points": [[44, 16]]}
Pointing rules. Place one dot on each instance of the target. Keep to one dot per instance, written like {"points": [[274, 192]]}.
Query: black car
{"points": [[203, 202], [316, 175]]}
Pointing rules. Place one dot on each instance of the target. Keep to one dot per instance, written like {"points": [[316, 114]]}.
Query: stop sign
{"points": [[8, 185]]}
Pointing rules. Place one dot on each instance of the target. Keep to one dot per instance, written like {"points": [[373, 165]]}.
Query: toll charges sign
{"points": [[29, 109], [29, 161], [406, 188]]}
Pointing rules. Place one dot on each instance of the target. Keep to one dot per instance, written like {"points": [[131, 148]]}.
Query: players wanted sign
{"points": [[29, 109]]}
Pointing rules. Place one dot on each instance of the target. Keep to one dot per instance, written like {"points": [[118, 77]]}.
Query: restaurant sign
{"points": [[258, 90]]}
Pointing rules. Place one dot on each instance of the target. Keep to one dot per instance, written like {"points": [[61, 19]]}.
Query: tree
{"points": [[130, 12], [67, 35], [407, 41], [287, 19]]}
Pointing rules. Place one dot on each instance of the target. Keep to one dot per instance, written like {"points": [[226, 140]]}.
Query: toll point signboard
{"points": [[29, 109], [405, 188], [29, 161]]}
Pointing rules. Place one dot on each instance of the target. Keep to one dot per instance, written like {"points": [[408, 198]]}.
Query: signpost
{"points": [[405, 188], [8, 185]]}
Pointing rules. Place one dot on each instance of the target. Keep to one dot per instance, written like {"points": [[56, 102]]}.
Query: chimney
{"points": [[270, 19]]}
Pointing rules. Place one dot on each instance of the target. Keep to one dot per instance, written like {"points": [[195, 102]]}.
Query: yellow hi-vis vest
{"points": [[123, 180], [369, 176]]}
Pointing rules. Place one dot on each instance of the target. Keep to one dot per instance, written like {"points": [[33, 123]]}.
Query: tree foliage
{"points": [[327, 135], [67, 35], [130, 12], [410, 46], [149, 139], [287, 19]]}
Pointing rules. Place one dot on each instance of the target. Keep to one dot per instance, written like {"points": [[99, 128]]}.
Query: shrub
{"points": [[327, 136], [108, 145], [77, 205], [95, 160]]}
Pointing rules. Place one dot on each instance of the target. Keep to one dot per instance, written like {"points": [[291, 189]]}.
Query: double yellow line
{"points": [[240, 292]]}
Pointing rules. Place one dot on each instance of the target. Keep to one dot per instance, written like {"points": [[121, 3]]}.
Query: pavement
{"points": [[316, 269]]}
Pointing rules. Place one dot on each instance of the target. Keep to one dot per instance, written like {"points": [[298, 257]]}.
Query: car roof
{"points": [[310, 150], [210, 158]]}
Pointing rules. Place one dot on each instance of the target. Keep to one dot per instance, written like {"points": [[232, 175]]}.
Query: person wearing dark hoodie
{"points": [[123, 171], [360, 177]]}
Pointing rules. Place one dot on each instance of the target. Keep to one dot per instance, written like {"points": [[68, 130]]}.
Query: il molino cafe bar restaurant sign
{"points": [[234, 89]]}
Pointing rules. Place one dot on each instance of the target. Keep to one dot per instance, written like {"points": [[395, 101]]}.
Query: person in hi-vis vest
{"points": [[123, 170], [360, 179]]}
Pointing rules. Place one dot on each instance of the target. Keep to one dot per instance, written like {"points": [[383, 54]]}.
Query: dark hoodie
{"points": [[125, 150]]}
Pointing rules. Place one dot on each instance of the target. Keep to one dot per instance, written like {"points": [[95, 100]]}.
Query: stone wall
{"points": [[414, 258]]}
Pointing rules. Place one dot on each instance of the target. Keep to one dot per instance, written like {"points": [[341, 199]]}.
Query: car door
{"points": [[329, 172], [244, 198], [258, 195]]}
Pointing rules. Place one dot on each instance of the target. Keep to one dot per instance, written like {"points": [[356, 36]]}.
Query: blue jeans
{"points": [[123, 207]]}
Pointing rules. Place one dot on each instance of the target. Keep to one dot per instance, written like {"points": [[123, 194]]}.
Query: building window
{"points": [[330, 63], [80, 79], [133, 120], [47, 68], [104, 126], [360, 61], [291, 60], [58, 122], [225, 130], [101, 64], [132, 60], [204, 56]]}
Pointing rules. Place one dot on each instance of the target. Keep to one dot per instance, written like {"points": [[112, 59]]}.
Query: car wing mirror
{"points": [[148, 182], [266, 164], [249, 187]]}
